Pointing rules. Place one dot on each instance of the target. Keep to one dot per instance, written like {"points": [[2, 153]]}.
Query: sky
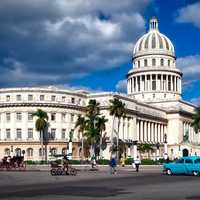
{"points": [[88, 44]]}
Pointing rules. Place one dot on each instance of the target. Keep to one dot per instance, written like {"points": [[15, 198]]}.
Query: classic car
{"points": [[186, 165]]}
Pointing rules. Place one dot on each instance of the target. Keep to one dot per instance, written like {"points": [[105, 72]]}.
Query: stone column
{"points": [[150, 82], [138, 130], [161, 85], [152, 132], [145, 131], [155, 133], [158, 132], [141, 130], [149, 132]]}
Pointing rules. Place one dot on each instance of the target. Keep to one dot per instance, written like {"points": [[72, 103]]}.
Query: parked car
{"points": [[185, 165]]}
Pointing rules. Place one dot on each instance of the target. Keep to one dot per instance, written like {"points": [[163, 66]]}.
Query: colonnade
{"points": [[148, 131], [188, 129], [154, 82]]}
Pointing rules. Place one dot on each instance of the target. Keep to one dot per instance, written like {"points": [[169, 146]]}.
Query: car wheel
{"points": [[168, 172], [195, 173]]}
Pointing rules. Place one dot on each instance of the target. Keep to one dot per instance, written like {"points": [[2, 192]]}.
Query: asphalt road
{"points": [[126, 184]]}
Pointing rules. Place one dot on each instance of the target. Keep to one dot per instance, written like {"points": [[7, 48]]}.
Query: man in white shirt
{"points": [[137, 163]]}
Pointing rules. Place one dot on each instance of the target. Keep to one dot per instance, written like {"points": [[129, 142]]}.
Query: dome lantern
{"points": [[153, 24]]}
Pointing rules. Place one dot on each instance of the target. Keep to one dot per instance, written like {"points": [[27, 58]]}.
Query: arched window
{"points": [[145, 62], [64, 151], [168, 63], [7, 152], [153, 62], [161, 62], [138, 64], [53, 151], [29, 152], [41, 153], [18, 152]]}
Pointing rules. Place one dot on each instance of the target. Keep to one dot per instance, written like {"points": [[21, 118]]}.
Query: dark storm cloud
{"points": [[53, 42]]}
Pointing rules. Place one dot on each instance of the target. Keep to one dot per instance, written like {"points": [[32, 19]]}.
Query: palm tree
{"points": [[101, 125], [196, 120], [81, 123], [91, 130], [40, 125], [117, 110]]}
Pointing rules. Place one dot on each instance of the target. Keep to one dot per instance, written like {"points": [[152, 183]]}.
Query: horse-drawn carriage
{"points": [[58, 167], [13, 163]]}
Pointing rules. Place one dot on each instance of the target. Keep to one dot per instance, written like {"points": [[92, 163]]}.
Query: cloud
{"points": [[54, 42], [190, 66], [121, 86], [189, 14]]}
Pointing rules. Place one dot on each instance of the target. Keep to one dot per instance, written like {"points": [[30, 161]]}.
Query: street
{"points": [[149, 183]]}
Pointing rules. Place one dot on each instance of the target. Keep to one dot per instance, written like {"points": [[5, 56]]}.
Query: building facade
{"points": [[155, 111]]}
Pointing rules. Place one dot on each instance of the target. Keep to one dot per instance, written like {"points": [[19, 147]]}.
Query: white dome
{"points": [[154, 41]]}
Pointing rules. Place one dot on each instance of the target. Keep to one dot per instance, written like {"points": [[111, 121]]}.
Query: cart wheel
{"points": [[53, 172], [73, 172], [59, 171]]}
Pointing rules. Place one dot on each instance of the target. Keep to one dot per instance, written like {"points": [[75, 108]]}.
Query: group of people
{"points": [[113, 164]]}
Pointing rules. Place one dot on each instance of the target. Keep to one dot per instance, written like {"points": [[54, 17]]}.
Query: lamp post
{"points": [[71, 133], [165, 147]]}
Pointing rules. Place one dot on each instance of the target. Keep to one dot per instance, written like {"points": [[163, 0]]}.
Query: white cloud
{"points": [[190, 66], [121, 86], [189, 14], [57, 41]]}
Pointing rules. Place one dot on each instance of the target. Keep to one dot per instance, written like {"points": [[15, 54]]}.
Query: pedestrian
{"points": [[137, 163], [113, 165]]}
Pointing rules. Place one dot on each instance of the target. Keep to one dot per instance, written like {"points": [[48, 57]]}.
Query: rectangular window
{"points": [[53, 98], [53, 134], [30, 97], [7, 133], [7, 117], [30, 116], [30, 133], [41, 97], [72, 100], [19, 116], [63, 98], [53, 116], [8, 98], [18, 97], [19, 133], [72, 118], [63, 133], [63, 117]]}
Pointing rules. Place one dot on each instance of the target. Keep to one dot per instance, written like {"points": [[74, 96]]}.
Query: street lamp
{"points": [[165, 147]]}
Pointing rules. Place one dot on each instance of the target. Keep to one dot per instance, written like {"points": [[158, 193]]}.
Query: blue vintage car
{"points": [[185, 165]]}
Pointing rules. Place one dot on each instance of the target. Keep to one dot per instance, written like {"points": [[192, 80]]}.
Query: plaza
{"points": [[149, 183]]}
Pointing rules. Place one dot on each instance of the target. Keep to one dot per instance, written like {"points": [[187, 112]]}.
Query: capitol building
{"points": [[155, 112]]}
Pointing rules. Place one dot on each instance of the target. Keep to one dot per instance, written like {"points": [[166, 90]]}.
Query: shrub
{"points": [[103, 162], [129, 161], [148, 162]]}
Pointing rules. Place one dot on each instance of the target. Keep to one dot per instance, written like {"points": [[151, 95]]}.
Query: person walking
{"points": [[113, 165], [137, 163]]}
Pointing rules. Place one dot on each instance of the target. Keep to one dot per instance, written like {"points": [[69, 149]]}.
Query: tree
{"points": [[101, 125], [41, 125], [145, 148], [117, 110], [196, 120], [81, 123]]}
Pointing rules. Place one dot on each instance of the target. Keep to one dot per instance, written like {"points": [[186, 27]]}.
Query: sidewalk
{"points": [[99, 167]]}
